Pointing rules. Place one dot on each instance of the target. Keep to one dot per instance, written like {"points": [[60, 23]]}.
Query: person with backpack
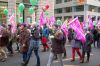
{"points": [[34, 46], [86, 48]]}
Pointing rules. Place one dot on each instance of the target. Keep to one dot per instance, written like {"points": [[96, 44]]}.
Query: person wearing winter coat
{"points": [[76, 45], [9, 46], [98, 39], [4, 40], [57, 48], [94, 32], [34, 46], [44, 40], [86, 48], [24, 36]]}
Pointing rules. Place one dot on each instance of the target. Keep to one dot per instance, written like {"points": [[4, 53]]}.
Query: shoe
{"points": [[37, 65], [55, 58], [64, 57], [48, 49], [72, 60], [23, 64], [87, 61], [3, 60], [82, 61]]}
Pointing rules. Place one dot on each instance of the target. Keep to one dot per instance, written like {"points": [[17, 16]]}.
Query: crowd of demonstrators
{"points": [[28, 38]]}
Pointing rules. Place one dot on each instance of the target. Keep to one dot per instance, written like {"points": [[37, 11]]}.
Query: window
{"points": [[98, 17], [80, 17], [59, 10], [92, 8], [58, 1], [79, 8], [26, 1], [67, 0], [2, 16], [99, 9], [58, 18], [68, 9], [94, 18], [67, 17]]}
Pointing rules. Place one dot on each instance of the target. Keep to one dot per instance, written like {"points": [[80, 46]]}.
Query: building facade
{"points": [[26, 16], [71, 8]]}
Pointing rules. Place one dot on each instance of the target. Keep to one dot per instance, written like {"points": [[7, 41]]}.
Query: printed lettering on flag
{"points": [[75, 25], [64, 28]]}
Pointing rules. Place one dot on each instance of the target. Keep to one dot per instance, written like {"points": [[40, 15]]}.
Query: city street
{"points": [[33, 23], [16, 59]]}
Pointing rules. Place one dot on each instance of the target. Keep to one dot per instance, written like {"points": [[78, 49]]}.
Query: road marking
{"points": [[70, 58]]}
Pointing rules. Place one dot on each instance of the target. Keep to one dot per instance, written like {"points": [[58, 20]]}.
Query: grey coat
{"points": [[76, 43], [89, 40]]}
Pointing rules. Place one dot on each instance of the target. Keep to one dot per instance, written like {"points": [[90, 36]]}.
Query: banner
{"points": [[13, 23], [64, 28], [75, 25], [42, 19], [91, 26], [98, 24], [52, 20]]}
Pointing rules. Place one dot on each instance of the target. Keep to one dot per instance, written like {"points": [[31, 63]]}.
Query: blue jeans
{"points": [[31, 48], [24, 56]]}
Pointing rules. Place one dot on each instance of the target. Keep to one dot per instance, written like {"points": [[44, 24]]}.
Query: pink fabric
{"points": [[91, 26], [98, 23], [13, 23], [52, 20], [75, 25], [64, 28], [42, 19]]}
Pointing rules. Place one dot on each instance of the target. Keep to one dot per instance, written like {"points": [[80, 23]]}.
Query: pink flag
{"points": [[84, 23], [75, 25], [13, 23], [98, 24], [64, 28], [91, 26], [41, 19], [52, 20]]}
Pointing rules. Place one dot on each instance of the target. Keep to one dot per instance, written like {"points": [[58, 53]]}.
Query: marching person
{"points": [[34, 46], [94, 32], [24, 36], [76, 45], [9, 46], [98, 39], [4, 39], [86, 48], [44, 40], [57, 48]]}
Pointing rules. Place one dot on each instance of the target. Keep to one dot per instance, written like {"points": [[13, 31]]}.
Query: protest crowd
{"points": [[52, 36]]}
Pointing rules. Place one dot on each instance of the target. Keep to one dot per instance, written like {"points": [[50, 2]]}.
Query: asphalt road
{"points": [[16, 60]]}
